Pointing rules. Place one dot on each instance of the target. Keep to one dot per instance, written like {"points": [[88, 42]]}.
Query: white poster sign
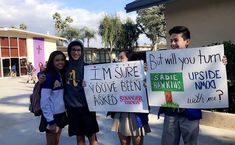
{"points": [[187, 78], [116, 87]]}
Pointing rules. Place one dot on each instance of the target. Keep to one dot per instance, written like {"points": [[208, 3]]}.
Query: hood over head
{"points": [[74, 43]]}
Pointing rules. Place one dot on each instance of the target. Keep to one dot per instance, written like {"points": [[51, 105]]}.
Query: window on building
{"points": [[23, 66], [102, 56], [0, 67], [5, 47], [107, 56], [88, 56], [22, 47], [4, 41], [96, 56], [13, 47]]}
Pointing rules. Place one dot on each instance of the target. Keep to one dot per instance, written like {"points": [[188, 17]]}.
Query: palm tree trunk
{"points": [[88, 41]]}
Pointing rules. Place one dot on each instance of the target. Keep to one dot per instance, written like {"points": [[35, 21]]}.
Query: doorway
{"points": [[6, 67], [0, 67], [10, 67], [15, 66], [23, 66]]}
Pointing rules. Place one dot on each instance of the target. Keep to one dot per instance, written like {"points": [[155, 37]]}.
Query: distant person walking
{"points": [[13, 71], [31, 73]]}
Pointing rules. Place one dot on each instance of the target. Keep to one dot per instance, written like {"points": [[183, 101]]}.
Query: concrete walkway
{"points": [[19, 127]]}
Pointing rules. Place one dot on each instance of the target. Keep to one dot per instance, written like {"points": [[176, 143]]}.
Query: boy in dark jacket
{"points": [[81, 121], [180, 121]]}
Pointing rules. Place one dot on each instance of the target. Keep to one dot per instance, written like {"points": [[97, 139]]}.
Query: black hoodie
{"points": [[74, 92]]}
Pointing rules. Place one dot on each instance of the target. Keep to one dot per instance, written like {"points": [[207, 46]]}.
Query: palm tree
{"points": [[87, 34], [70, 33], [110, 30]]}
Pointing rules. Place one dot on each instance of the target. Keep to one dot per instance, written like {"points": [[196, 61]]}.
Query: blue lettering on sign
{"points": [[203, 75], [205, 85], [204, 79]]}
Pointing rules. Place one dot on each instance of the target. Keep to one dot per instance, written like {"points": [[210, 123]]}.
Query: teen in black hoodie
{"points": [[82, 122]]}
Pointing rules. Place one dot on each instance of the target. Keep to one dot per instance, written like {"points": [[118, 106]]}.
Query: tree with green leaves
{"points": [[14, 27], [60, 24], [70, 33], [131, 35], [23, 26], [110, 30], [104, 30], [152, 23], [88, 34]]}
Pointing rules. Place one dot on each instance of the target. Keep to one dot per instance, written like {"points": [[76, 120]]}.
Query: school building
{"points": [[17, 47], [209, 21]]}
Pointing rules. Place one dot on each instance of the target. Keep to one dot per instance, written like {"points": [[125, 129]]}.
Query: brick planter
{"points": [[218, 119]]}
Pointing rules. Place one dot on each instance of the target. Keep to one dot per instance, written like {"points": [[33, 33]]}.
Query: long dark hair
{"points": [[50, 64]]}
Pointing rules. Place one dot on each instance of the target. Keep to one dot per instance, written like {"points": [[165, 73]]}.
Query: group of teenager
{"points": [[63, 102]]}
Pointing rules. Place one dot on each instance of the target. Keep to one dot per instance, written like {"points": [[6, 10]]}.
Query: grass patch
{"points": [[170, 105]]}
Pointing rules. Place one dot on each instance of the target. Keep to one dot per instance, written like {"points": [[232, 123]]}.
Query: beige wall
{"points": [[209, 21], [30, 52], [11, 34], [49, 46]]}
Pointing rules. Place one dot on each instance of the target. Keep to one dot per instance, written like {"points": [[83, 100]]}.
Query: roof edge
{"points": [[31, 33], [141, 4]]}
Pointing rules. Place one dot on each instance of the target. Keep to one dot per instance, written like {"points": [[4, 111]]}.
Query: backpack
{"points": [[35, 98]]}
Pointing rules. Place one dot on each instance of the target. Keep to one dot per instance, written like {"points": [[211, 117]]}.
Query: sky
{"points": [[37, 14]]}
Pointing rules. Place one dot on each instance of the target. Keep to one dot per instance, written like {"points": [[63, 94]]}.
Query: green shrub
{"points": [[229, 51]]}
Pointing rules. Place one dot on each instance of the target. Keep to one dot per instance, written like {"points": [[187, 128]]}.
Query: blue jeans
{"points": [[175, 126]]}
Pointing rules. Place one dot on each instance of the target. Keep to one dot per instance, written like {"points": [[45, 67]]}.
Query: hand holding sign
{"points": [[116, 87], [189, 78]]}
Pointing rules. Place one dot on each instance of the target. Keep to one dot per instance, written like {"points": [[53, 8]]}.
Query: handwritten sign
{"points": [[187, 78], [116, 87]]}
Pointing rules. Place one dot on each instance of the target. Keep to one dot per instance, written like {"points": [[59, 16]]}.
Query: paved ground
{"points": [[19, 127]]}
